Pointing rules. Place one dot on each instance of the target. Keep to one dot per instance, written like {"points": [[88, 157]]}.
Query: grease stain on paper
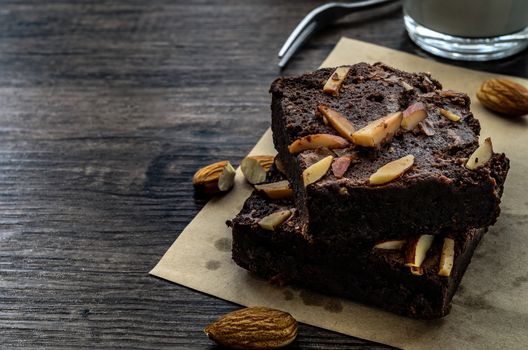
{"points": [[334, 306], [519, 281], [314, 299], [256, 277], [212, 265], [223, 244], [311, 299], [288, 294], [474, 301]]}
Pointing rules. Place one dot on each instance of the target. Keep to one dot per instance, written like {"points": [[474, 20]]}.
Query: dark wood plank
{"points": [[108, 108]]}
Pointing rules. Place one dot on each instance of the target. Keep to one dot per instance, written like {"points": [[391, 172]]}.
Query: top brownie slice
{"points": [[438, 194]]}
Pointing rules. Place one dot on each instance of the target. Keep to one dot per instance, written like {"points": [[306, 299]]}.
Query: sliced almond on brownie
{"points": [[340, 165], [379, 131], [273, 220], [315, 141], [481, 155], [447, 257], [413, 115], [316, 171], [417, 250], [393, 244], [333, 84], [338, 121], [450, 115], [392, 170], [275, 190]]}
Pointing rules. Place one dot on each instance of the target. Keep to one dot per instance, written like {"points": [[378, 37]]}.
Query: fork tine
{"points": [[299, 40], [305, 22], [319, 17]]}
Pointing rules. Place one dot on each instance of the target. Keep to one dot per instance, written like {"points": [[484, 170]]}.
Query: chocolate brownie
{"points": [[437, 195], [372, 276]]}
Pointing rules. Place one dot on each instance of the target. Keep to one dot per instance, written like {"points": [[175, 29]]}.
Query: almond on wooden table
{"points": [[253, 328], [214, 178]]}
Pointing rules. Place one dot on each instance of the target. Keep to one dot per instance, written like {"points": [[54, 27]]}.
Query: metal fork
{"points": [[319, 18]]}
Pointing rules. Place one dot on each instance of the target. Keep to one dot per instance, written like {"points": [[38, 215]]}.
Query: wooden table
{"points": [[107, 109]]}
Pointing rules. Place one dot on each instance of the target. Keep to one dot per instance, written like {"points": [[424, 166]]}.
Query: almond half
{"points": [[447, 258], [333, 84], [315, 141], [214, 178], [338, 121], [255, 168], [316, 171], [379, 131], [273, 220], [391, 170], [481, 155], [253, 328], [276, 190]]}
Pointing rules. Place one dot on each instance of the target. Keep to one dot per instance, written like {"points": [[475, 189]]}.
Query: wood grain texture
{"points": [[107, 109]]}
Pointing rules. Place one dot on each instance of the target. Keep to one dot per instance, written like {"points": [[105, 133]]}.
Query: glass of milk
{"points": [[471, 30]]}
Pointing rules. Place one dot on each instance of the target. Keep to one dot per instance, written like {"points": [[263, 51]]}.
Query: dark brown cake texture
{"points": [[437, 195], [377, 277]]}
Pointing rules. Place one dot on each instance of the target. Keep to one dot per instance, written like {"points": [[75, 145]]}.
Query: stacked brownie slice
{"points": [[379, 193]]}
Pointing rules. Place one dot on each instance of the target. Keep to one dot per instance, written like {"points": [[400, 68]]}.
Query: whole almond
{"points": [[253, 328], [214, 178], [504, 96]]}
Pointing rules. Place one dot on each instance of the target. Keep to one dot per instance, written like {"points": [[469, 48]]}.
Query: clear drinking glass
{"points": [[471, 30]]}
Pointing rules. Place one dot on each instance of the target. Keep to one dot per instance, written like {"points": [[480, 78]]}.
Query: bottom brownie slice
{"points": [[373, 276]]}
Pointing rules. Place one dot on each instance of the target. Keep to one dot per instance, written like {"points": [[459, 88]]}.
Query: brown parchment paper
{"points": [[490, 310]]}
